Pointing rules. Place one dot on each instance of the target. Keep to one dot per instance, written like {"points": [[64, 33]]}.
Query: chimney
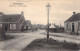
{"points": [[74, 13]]}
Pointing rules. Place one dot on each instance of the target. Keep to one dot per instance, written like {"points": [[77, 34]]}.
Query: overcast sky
{"points": [[36, 11]]}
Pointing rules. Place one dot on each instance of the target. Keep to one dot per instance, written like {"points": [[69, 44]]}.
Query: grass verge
{"points": [[50, 45]]}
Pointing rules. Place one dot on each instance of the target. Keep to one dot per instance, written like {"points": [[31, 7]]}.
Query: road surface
{"points": [[23, 39], [20, 42], [64, 36]]}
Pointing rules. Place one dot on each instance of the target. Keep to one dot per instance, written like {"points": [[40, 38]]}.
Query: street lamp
{"points": [[48, 9]]}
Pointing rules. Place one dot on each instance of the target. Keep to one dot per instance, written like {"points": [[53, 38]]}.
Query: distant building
{"points": [[52, 26], [12, 22], [56, 28], [72, 25], [26, 25]]}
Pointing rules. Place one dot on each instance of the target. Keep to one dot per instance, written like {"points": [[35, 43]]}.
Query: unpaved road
{"points": [[23, 39], [17, 44]]}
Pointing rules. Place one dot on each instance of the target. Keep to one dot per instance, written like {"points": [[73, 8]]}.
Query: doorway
{"points": [[6, 27], [72, 27]]}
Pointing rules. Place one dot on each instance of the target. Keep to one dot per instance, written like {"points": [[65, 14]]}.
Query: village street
{"points": [[23, 39], [64, 36]]}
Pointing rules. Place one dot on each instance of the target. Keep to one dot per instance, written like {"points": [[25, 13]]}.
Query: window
{"points": [[0, 25], [68, 26], [12, 26]]}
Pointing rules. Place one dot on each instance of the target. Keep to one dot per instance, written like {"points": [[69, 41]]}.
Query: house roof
{"points": [[74, 17], [27, 23], [52, 26], [10, 18]]}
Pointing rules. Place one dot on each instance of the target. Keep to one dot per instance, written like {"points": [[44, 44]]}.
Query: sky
{"points": [[36, 10]]}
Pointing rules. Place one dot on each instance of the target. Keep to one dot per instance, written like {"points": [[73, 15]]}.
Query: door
{"points": [[72, 27], [6, 28]]}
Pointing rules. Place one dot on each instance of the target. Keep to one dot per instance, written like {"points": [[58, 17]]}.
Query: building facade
{"points": [[12, 22], [26, 25], [72, 25]]}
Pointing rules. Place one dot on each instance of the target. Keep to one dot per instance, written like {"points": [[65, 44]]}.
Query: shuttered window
{"points": [[12, 26]]}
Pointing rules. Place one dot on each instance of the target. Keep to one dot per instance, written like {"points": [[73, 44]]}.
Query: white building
{"points": [[72, 25]]}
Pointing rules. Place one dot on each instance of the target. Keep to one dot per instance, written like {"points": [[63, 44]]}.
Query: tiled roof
{"points": [[10, 18], [75, 17]]}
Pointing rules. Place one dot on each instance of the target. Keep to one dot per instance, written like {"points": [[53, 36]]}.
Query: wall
{"points": [[75, 26]]}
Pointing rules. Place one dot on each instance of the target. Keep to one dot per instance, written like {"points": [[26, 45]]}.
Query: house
{"points": [[52, 28], [12, 22], [26, 25], [59, 28], [72, 25]]}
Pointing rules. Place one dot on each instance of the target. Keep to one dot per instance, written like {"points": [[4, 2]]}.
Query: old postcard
{"points": [[39, 25]]}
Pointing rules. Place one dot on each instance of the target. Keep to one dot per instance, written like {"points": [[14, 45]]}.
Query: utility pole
{"points": [[48, 9]]}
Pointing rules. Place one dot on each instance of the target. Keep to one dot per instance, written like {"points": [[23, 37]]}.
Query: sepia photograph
{"points": [[39, 25]]}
